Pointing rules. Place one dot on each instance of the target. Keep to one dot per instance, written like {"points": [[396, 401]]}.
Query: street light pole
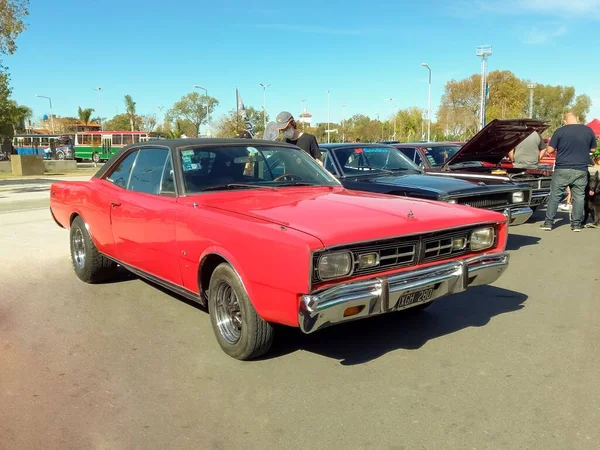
{"points": [[51, 113], [391, 100], [206, 94], [303, 118], [428, 103], [343, 123], [264, 86], [531, 86], [100, 103], [328, 117]]}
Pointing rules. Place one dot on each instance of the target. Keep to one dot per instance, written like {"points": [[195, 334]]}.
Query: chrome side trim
{"points": [[157, 280], [382, 295]]}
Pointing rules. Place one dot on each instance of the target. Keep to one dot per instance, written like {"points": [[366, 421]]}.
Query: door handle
{"points": [[113, 204]]}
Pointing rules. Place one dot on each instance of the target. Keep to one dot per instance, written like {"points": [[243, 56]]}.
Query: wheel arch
{"points": [[209, 261]]}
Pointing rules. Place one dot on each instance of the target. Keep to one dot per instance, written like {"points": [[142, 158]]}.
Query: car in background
{"points": [[479, 160], [382, 169], [212, 221]]}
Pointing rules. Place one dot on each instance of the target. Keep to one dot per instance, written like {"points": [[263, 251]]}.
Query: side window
{"points": [[328, 164], [148, 170], [120, 175], [167, 185], [418, 160], [409, 153]]}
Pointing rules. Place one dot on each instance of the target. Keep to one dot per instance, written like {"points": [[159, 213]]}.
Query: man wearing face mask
{"points": [[306, 141]]}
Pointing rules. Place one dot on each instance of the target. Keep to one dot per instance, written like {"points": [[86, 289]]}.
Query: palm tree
{"points": [[84, 115], [19, 115], [130, 110]]}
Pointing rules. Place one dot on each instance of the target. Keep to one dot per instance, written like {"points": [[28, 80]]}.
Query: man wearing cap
{"points": [[306, 141]]}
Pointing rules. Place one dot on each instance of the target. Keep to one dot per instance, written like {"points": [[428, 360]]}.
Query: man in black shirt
{"points": [[306, 141], [572, 144]]}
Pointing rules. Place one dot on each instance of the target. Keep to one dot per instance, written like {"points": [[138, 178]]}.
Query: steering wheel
{"points": [[289, 176]]}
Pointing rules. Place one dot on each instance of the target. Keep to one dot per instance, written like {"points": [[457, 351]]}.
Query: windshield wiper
{"points": [[373, 169], [295, 183], [223, 187]]}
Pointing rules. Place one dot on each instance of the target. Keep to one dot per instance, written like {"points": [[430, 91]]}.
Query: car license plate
{"points": [[412, 298]]}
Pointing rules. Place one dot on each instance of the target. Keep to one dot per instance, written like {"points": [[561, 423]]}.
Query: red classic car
{"points": [[261, 234], [480, 159]]}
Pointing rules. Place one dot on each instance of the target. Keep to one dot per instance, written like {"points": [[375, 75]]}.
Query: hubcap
{"points": [[78, 248], [228, 313]]}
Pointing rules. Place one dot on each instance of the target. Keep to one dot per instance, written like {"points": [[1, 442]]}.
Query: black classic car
{"points": [[382, 169], [481, 158]]}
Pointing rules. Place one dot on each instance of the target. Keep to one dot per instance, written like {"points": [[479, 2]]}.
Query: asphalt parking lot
{"points": [[127, 365]]}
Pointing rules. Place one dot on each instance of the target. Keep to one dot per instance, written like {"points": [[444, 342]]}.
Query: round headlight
{"points": [[334, 265], [452, 200], [482, 238], [518, 197]]}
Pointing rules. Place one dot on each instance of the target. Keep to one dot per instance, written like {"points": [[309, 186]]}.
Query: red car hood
{"points": [[495, 140], [338, 216]]}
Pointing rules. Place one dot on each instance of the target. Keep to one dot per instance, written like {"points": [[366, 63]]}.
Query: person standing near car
{"points": [[572, 144], [306, 141], [528, 153]]}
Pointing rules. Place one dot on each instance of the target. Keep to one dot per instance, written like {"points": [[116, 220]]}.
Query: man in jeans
{"points": [[572, 144]]}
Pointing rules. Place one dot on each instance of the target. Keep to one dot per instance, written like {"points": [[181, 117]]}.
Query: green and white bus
{"points": [[100, 145]]}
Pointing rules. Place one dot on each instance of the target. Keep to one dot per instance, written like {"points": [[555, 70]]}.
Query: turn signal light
{"points": [[353, 310]]}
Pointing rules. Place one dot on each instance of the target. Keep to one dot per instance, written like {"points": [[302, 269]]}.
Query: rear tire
{"points": [[239, 330], [96, 158], [89, 264]]}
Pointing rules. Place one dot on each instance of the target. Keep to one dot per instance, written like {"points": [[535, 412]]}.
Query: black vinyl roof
{"points": [[174, 144]]}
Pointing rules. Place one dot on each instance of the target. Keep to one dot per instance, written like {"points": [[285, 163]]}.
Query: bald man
{"points": [[572, 144]]}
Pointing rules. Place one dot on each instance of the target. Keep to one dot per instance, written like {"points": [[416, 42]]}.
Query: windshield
{"points": [[438, 156], [369, 160], [241, 166]]}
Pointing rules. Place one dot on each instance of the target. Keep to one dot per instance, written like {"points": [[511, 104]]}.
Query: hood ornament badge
{"points": [[410, 214]]}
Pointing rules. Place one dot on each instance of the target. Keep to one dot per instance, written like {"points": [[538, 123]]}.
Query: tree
{"points": [[550, 103], [193, 108], [120, 122], [84, 115], [147, 122], [230, 125], [19, 115], [130, 111], [12, 15]]}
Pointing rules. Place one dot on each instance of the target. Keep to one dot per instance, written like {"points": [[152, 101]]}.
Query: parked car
{"points": [[209, 220], [480, 159], [383, 169]]}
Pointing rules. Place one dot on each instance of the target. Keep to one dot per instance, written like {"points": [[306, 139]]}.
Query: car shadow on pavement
{"points": [[365, 340], [516, 241]]}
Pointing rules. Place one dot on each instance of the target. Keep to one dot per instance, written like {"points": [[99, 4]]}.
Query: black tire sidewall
{"points": [[244, 347], [83, 273]]}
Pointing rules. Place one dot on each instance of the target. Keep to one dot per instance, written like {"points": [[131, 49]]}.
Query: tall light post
{"points": [[391, 104], [303, 111], [377, 114], [483, 51], [343, 123], [206, 94], [328, 117], [51, 113], [428, 103], [264, 86], [99, 90], [531, 86]]}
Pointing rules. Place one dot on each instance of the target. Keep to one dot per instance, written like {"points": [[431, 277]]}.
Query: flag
{"points": [[241, 110]]}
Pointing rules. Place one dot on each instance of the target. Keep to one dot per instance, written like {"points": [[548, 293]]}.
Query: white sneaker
{"points": [[564, 207]]}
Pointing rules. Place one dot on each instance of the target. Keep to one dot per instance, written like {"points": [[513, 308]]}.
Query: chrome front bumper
{"points": [[540, 197], [518, 216], [382, 295]]}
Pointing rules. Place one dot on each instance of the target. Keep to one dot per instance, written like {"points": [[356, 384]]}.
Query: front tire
{"points": [[96, 158], [241, 333], [89, 264]]}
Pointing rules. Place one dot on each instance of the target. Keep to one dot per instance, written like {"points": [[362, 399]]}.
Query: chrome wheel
{"points": [[228, 314], [96, 158], [78, 245]]}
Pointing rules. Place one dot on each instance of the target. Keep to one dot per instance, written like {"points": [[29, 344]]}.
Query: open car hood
{"points": [[495, 140]]}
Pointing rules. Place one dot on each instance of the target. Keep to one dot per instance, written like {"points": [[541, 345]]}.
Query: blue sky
{"points": [[362, 52]]}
